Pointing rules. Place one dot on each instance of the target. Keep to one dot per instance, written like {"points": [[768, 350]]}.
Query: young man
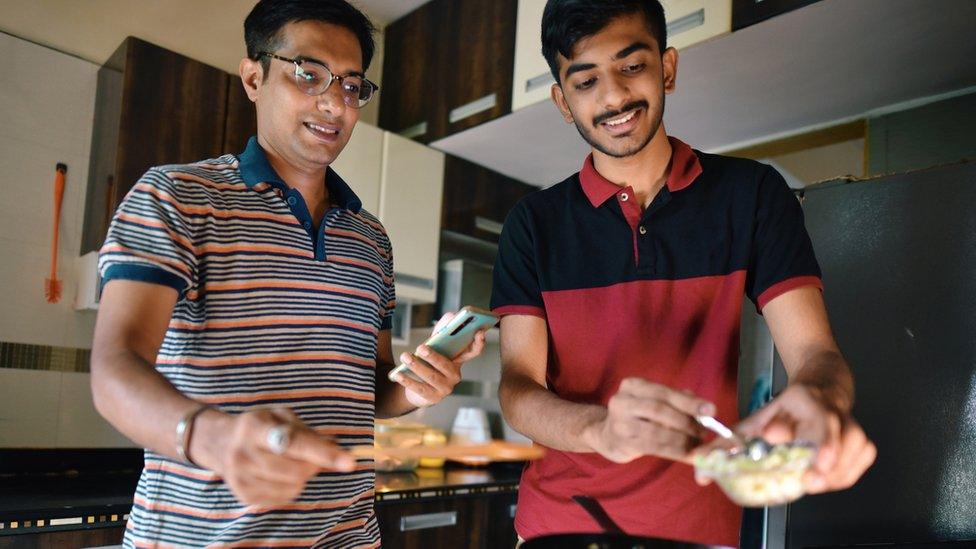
{"points": [[243, 335], [621, 289]]}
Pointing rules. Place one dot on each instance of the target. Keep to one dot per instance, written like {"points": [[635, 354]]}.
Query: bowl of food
{"points": [[758, 479]]}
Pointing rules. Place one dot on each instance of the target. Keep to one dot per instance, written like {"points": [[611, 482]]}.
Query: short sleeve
{"points": [[389, 283], [782, 256], [515, 286], [150, 237]]}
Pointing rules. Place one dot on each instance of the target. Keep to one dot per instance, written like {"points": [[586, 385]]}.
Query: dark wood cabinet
{"points": [[152, 107], [477, 522], [408, 87], [750, 12], [475, 63], [447, 67], [242, 120], [476, 199]]}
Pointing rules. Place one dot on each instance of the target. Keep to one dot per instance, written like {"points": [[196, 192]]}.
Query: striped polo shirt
{"points": [[654, 293], [271, 312]]}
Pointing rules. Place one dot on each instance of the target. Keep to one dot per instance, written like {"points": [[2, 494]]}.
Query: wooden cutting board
{"points": [[495, 450]]}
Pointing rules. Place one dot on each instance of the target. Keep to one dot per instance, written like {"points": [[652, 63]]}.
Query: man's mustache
{"points": [[614, 114]]}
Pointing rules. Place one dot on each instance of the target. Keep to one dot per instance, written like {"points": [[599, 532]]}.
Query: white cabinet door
{"points": [[360, 165], [694, 21], [689, 22], [410, 209], [531, 79]]}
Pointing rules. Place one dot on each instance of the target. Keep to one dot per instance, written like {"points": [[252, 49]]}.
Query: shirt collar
{"points": [[685, 168], [255, 168]]}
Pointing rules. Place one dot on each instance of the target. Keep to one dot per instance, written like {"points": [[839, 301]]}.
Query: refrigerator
{"points": [[898, 255]]}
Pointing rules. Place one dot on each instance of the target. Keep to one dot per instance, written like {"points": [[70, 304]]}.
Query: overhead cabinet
{"points": [[689, 22], [152, 107], [448, 67], [477, 200]]}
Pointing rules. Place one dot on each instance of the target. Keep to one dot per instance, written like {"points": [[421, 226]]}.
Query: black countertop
{"points": [[103, 499]]}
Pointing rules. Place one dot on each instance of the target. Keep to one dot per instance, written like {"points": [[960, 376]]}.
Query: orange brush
{"points": [[52, 286]]}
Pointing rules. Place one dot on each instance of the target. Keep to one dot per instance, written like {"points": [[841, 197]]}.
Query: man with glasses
{"points": [[243, 335]]}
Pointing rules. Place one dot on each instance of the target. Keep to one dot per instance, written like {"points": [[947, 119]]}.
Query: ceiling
{"points": [[209, 30], [830, 62]]}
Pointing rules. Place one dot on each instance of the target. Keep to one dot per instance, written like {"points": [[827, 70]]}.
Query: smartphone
{"points": [[454, 337]]}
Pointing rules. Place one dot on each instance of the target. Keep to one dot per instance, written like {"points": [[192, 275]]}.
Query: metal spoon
{"points": [[755, 448]]}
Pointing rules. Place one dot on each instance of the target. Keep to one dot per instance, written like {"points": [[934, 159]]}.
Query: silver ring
{"points": [[278, 438]]}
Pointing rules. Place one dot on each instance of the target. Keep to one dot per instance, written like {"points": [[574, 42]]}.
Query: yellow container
{"points": [[433, 437]]}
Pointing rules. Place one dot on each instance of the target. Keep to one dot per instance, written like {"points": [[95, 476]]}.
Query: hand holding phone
{"points": [[453, 338]]}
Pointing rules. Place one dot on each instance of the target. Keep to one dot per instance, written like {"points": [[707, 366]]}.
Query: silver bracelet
{"points": [[184, 429]]}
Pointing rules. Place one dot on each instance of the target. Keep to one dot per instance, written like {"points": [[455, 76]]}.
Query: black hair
{"points": [[566, 22], [262, 28]]}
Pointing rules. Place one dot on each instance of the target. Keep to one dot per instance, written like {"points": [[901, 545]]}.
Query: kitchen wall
{"points": [[46, 103]]}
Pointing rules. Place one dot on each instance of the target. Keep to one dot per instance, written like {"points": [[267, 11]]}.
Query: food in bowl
{"points": [[773, 479]]}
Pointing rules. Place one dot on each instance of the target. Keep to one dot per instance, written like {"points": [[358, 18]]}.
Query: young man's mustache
{"points": [[613, 114]]}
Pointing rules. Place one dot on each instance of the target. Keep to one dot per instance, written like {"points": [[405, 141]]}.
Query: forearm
{"points": [[142, 404], [537, 413], [827, 375], [391, 398]]}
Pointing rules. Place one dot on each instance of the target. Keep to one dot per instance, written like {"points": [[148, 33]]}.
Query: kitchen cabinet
{"points": [[474, 64], [448, 67], [476, 522], [409, 206], [152, 107], [477, 200], [694, 21], [241, 121], [361, 165], [689, 22], [531, 77], [750, 12], [409, 73]]}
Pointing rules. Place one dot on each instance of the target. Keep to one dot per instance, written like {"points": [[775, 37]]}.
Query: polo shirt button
{"points": [[307, 224], [291, 201], [643, 229], [624, 197]]}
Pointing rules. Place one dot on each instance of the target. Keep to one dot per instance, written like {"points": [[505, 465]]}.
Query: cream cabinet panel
{"points": [[410, 208], [360, 165], [694, 21], [531, 79]]}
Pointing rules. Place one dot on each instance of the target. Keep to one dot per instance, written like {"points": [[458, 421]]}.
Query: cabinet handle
{"points": [[511, 510], [478, 105], [536, 82], [415, 281], [488, 225], [430, 520], [414, 131], [686, 22]]}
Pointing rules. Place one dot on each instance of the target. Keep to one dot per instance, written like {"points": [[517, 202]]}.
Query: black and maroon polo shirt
{"points": [[656, 294]]}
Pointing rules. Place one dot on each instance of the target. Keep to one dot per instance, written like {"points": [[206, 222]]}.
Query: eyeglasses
{"points": [[314, 78]]}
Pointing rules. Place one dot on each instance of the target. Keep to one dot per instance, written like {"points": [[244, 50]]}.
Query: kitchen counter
{"points": [[42, 503]]}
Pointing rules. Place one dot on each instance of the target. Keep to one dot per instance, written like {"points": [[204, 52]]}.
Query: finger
{"points": [[270, 467], [439, 362], [306, 445], [421, 389], [830, 445], [862, 463], [856, 455], [689, 404], [665, 415], [754, 425], [474, 350], [428, 374]]}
